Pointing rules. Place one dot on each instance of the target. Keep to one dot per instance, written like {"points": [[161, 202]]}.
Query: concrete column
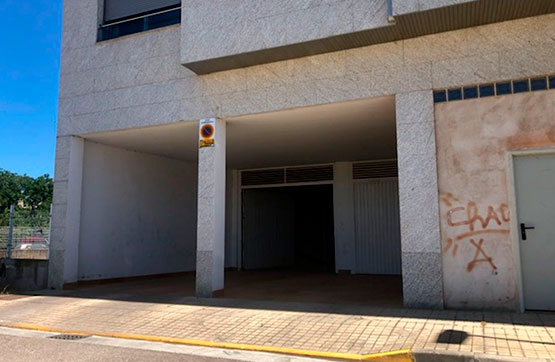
{"points": [[66, 212], [211, 214], [343, 216], [418, 201]]}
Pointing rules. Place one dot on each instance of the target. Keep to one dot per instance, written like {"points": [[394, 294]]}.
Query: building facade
{"points": [[425, 128]]}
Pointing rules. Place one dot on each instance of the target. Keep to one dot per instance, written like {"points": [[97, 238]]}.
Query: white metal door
{"points": [[377, 228], [535, 197]]}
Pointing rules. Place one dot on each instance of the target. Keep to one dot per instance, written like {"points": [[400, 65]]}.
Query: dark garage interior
{"points": [[288, 228]]}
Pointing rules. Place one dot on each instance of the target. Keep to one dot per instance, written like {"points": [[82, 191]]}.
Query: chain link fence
{"points": [[26, 235]]}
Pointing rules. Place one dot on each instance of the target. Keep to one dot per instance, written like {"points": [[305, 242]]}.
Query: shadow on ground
{"points": [[362, 295]]}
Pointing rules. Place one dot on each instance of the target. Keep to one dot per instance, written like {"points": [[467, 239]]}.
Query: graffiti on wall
{"points": [[475, 225]]}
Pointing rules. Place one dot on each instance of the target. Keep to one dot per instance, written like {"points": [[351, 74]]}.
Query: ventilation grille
{"points": [[309, 174], [263, 177], [375, 169], [288, 175]]}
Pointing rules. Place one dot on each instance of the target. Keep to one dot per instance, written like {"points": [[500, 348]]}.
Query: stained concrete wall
{"points": [[139, 81], [473, 138], [23, 275], [138, 214]]}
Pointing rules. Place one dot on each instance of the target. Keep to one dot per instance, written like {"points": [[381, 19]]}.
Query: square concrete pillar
{"points": [[418, 201], [211, 208], [66, 212], [343, 211]]}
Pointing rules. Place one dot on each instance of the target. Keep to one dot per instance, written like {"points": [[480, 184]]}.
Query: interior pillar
{"points": [[418, 201], [343, 211], [66, 212], [211, 207], [234, 227]]}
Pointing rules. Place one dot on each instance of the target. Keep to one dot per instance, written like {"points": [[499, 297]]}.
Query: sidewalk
{"points": [[355, 329]]}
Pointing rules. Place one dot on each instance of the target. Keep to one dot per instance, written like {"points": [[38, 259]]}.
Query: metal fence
{"points": [[27, 235]]}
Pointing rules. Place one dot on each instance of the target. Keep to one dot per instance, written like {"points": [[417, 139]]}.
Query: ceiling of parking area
{"points": [[347, 131]]}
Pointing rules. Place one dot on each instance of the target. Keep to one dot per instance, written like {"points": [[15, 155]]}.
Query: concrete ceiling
{"points": [[347, 131]]}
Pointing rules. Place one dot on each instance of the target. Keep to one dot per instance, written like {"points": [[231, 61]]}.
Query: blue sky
{"points": [[30, 36]]}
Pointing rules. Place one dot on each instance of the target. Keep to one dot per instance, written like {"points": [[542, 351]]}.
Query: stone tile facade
{"points": [[139, 81]]}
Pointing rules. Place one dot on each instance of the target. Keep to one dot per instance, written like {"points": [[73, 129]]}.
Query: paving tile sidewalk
{"points": [[355, 329]]}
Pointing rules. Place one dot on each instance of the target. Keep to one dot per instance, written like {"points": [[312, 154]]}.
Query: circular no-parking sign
{"points": [[207, 131]]}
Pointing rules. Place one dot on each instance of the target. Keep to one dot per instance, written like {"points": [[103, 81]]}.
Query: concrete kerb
{"points": [[455, 356], [393, 356], [417, 355]]}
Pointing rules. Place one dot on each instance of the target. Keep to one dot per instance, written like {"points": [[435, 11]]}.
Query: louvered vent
{"points": [[375, 169], [288, 175], [263, 177], [309, 174]]}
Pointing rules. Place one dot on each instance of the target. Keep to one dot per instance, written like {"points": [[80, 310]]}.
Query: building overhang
{"points": [[404, 23]]}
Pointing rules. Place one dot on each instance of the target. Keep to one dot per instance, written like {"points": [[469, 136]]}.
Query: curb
{"points": [[455, 356], [393, 356]]}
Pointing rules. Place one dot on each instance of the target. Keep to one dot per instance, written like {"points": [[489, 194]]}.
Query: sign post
{"points": [[207, 132]]}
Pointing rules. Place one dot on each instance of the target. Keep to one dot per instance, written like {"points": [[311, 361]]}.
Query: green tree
{"points": [[10, 193], [32, 196], [37, 192], [10, 189]]}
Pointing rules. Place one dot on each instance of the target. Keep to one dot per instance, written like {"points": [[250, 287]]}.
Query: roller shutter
{"points": [[377, 228]]}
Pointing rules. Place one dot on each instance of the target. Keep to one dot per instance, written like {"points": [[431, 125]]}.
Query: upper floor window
{"points": [[124, 17]]}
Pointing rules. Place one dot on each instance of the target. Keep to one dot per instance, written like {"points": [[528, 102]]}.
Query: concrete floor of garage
{"points": [[272, 285]]}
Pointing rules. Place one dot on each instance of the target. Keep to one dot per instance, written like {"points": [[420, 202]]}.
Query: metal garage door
{"points": [[377, 230], [268, 229]]}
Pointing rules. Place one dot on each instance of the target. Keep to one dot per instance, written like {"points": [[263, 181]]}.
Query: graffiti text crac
{"points": [[467, 223]]}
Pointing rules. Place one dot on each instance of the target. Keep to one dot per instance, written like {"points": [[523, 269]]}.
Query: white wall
{"points": [[138, 214]]}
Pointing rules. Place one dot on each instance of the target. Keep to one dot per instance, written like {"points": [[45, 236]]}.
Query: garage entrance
{"points": [[288, 228], [313, 205], [311, 208]]}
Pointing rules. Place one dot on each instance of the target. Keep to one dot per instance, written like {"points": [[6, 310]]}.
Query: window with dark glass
{"points": [[503, 88], [470, 92], [440, 96], [539, 83], [520, 86], [125, 17], [487, 90], [454, 94]]}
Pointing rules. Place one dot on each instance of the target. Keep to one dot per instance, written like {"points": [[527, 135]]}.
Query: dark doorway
{"points": [[288, 227]]}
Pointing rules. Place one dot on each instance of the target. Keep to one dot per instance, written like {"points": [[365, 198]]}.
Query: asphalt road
{"points": [[24, 349]]}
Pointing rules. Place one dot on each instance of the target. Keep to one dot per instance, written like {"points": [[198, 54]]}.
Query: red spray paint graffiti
{"points": [[473, 227]]}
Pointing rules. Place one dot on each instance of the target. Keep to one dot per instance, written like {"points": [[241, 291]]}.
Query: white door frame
{"points": [[511, 155]]}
